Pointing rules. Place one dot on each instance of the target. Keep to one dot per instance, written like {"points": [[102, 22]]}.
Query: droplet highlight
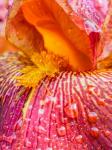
{"points": [[107, 133], [71, 110], [94, 132], [79, 139], [101, 102], [92, 117], [61, 131]]}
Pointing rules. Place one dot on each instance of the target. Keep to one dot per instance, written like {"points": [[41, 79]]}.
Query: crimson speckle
{"points": [[79, 139], [101, 102], [107, 133], [61, 131], [94, 132], [71, 110], [92, 117]]}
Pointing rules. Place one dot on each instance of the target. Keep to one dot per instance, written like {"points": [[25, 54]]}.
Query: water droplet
{"points": [[53, 116], [40, 129], [42, 102], [94, 132], [19, 124], [107, 133], [41, 111], [71, 110], [50, 99], [101, 102], [61, 131], [92, 117], [47, 139], [65, 120], [79, 139]]}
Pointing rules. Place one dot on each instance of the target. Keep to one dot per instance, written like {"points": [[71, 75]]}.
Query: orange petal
{"points": [[5, 45], [64, 38], [21, 33], [50, 24], [64, 16]]}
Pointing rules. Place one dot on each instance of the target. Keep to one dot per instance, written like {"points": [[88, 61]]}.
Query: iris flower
{"points": [[56, 90]]}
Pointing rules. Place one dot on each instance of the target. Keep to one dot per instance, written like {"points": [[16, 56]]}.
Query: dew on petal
{"points": [[107, 133], [42, 102], [71, 110], [41, 111], [61, 131], [19, 124], [94, 132], [53, 116], [101, 102], [79, 139], [41, 129], [92, 117], [47, 139], [65, 120], [51, 99]]}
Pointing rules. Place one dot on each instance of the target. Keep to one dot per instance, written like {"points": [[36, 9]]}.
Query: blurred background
{"points": [[4, 7]]}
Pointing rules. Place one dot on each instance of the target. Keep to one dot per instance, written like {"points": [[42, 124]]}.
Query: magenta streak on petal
{"points": [[55, 89], [60, 114], [93, 99], [12, 106], [83, 116], [34, 110], [75, 129], [94, 39], [103, 111], [88, 105]]}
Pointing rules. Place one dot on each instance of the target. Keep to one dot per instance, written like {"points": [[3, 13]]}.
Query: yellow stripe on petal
{"points": [[25, 109]]}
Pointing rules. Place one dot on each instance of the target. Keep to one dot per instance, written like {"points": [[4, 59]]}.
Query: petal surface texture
{"points": [[72, 111]]}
